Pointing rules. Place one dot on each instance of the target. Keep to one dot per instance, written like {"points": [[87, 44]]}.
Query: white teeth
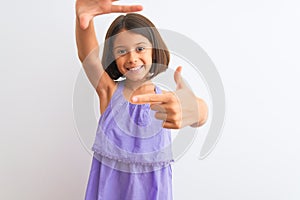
{"points": [[136, 68]]}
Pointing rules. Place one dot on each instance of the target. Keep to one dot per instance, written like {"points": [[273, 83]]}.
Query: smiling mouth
{"points": [[135, 68]]}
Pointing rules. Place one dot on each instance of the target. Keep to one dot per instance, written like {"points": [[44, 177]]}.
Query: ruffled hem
{"points": [[127, 165], [128, 161]]}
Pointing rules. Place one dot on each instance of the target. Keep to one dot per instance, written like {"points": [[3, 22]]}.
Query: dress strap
{"points": [[158, 90]]}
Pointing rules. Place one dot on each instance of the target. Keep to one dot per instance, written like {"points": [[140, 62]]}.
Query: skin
{"points": [[136, 52], [177, 108]]}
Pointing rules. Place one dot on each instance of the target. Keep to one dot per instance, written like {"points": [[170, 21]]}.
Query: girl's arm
{"points": [[88, 47], [178, 109], [85, 39], [87, 44], [88, 53]]}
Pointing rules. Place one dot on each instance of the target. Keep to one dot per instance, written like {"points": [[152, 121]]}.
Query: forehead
{"points": [[129, 38]]}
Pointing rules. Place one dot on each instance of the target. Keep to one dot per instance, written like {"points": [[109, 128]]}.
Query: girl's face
{"points": [[133, 54]]}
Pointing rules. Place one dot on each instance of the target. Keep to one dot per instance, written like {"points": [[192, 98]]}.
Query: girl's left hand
{"points": [[178, 109]]}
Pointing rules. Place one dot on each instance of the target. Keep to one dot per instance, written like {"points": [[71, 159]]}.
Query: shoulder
{"points": [[164, 91], [158, 89]]}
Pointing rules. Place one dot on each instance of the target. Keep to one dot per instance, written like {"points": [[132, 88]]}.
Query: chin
{"points": [[136, 78]]}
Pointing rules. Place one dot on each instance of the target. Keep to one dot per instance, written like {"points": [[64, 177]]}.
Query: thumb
{"points": [[178, 79]]}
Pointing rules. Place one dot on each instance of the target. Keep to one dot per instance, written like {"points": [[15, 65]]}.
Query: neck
{"points": [[134, 85], [137, 88]]}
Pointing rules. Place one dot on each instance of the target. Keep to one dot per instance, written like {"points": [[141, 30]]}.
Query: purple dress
{"points": [[132, 154]]}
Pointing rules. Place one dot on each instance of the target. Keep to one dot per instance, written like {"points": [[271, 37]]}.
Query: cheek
{"points": [[120, 63], [148, 57]]}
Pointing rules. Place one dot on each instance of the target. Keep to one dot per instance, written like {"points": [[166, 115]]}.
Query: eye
{"points": [[140, 49], [121, 52]]}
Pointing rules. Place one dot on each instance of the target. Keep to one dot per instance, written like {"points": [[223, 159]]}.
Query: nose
{"points": [[132, 57]]}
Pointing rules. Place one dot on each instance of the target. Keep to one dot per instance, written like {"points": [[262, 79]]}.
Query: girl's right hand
{"points": [[86, 10]]}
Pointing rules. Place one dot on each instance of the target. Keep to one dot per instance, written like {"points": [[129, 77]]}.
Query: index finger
{"points": [[149, 98], [126, 9]]}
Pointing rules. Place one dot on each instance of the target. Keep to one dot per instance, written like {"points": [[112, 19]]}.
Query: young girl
{"points": [[132, 148]]}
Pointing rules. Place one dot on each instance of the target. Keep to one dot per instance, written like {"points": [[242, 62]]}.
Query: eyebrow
{"points": [[135, 44]]}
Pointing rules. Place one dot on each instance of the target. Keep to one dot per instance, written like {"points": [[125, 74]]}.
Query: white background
{"points": [[254, 45]]}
